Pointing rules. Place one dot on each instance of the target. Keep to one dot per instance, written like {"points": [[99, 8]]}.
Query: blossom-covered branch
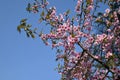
{"points": [[87, 44]]}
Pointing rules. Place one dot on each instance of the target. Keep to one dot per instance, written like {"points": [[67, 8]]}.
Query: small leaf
{"points": [[45, 1], [68, 11], [99, 21], [23, 20], [42, 13], [28, 35], [54, 42], [28, 8], [105, 1], [94, 16], [110, 63], [88, 1], [100, 14], [52, 23], [47, 16], [18, 29], [73, 18], [40, 20], [29, 25], [32, 35], [87, 11], [35, 30]]}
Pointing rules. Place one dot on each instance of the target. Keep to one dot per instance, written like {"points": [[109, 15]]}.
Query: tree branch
{"points": [[92, 56]]}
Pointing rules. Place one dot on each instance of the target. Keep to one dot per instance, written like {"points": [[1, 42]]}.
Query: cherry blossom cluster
{"points": [[95, 49], [35, 7], [78, 5], [68, 35]]}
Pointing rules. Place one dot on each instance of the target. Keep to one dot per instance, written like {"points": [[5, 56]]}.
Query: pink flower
{"points": [[109, 30], [107, 10], [86, 24], [61, 17], [109, 54], [100, 38], [46, 3], [77, 8], [90, 7]]}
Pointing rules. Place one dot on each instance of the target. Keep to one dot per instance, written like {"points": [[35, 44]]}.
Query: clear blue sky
{"points": [[23, 58]]}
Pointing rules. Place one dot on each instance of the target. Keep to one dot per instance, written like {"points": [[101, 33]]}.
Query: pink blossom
{"points": [[90, 7], [61, 17], [77, 8], [109, 54], [100, 38], [107, 10], [86, 24]]}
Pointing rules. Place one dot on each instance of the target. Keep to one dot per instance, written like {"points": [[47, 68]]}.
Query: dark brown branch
{"points": [[105, 75], [92, 56], [80, 58]]}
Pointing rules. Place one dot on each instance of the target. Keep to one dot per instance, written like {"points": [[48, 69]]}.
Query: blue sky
{"points": [[23, 58]]}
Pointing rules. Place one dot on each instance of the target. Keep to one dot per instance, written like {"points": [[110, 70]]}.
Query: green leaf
{"points": [[28, 35], [45, 1], [99, 21], [47, 16], [23, 20], [87, 11], [32, 35], [28, 8], [68, 11], [94, 16], [88, 1], [54, 42], [28, 26], [100, 14], [73, 18], [35, 30], [42, 13], [52, 23], [59, 66], [40, 20], [20, 27], [110, 63]]}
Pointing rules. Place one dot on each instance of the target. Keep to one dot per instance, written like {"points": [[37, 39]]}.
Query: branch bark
{"points": [[92, 56]]}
